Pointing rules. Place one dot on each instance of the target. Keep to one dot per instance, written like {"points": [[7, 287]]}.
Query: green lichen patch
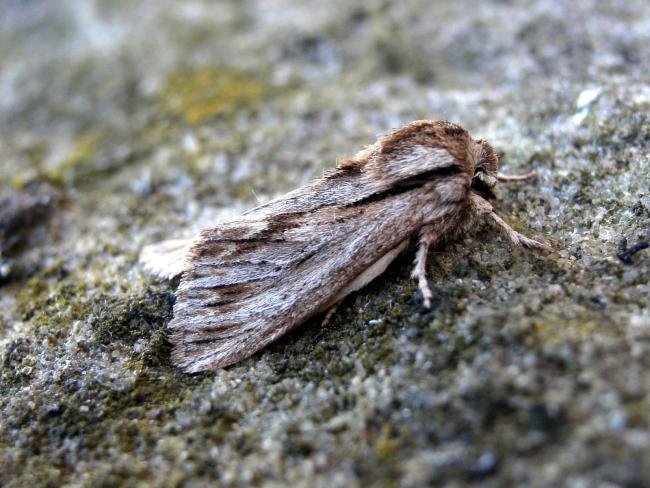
{"points": [[78, 163], [91, 155], [201, 94], [94, 417], [52, 297], [135, 320]]}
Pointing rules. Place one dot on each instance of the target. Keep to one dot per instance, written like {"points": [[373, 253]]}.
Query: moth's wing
{"points": [[349, 185], [251, 281], [344, 186], [166, 259]]}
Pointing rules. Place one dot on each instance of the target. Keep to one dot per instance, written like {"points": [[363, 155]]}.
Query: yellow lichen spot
{"points": [[386, 445], [26, 173], [558, 331], [73, 166], [22, 177], [204, 93]]}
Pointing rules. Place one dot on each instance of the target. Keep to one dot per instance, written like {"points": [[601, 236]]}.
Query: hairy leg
{"points": [[514, 236], [483, 207], [428, 236]]}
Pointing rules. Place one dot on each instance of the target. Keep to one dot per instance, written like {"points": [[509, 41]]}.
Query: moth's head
{"points": [[484, 180]]}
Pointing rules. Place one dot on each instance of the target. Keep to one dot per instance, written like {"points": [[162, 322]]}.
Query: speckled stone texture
{"points": [[150, 120]]}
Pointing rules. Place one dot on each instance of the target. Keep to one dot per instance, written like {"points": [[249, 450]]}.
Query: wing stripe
{"points": [[409, 184]]}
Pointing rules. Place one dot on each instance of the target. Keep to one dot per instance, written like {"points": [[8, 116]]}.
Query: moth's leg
{"points": [[483, 207], [330, 313], [428, 236], [514, 236], [507, 178]]}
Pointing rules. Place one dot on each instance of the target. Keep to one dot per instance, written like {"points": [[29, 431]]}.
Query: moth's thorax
{"points": [[412, 140]]}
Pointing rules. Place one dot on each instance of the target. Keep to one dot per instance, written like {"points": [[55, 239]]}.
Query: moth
{"points": [[245, 283]]}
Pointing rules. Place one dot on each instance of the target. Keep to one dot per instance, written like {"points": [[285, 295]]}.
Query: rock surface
{"points": [[155, 119]]}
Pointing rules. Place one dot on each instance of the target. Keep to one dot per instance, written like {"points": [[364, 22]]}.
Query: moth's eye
{"points": [[484, 184], [485, 179]]}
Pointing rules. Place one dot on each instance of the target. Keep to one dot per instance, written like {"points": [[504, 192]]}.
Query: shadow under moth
{"points": [[245, 283]]}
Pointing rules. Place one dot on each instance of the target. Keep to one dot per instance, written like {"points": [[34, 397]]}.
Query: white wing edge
{"points": [[166, 259]]}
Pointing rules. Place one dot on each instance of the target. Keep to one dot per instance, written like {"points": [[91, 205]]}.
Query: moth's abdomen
{"points": [[370, 273]]}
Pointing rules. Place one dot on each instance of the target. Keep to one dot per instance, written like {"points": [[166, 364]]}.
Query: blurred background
{"points": [[127, 122], [238, 95]]}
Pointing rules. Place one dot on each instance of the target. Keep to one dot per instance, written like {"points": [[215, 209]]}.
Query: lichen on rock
{"points": [[152, 120]]}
